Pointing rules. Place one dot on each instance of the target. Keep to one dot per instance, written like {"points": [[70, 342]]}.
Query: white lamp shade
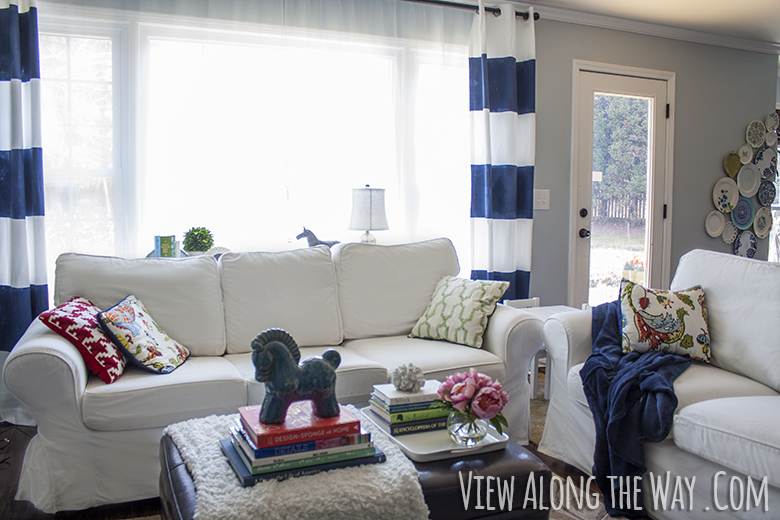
{"points": [[368, 209]]}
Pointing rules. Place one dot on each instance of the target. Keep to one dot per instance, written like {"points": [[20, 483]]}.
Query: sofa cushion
{"points": [[700, 382], [183, 295], [742, 433], [383, 290], [202, 386], [76, 321], [437, 359], [355, 375], [133, 330], [743, 311], [667, 321], [292, 290], [459, 309]]}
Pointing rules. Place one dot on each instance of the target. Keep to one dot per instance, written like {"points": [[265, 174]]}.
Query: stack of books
{"points": [[400, 413], [304, 445]]}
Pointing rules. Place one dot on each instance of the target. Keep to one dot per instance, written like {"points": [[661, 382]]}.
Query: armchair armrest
{"points": [[47, 373], [567, 337], [515, 336]]}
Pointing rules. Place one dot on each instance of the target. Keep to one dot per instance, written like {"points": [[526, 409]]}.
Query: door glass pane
{"points": [[618, 243]]}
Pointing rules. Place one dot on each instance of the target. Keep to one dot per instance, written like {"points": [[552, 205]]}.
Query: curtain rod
{"points": [[495, 10]]}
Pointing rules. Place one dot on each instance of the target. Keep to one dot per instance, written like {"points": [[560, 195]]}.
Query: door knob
{"points": [[584, 233]]}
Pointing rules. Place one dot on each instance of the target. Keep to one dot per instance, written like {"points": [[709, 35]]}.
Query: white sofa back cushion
{"points": [[182, 295], [383, 290], [743, 311], [292, 290]]}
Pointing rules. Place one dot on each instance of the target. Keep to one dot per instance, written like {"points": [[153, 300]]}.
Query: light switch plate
{"points": [[541, 199]]}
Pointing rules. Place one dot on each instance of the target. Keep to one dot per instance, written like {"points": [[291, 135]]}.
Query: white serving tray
{"points": [[437, 445]]}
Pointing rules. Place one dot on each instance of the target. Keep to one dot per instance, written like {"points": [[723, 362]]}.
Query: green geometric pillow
{"points": [[668, 321], [459, 309]]}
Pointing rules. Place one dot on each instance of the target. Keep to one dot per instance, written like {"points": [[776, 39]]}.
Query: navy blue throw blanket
{"points": [[632, 401]]}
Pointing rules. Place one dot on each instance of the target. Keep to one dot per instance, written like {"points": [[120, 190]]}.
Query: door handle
{"points": [[584, 233]]}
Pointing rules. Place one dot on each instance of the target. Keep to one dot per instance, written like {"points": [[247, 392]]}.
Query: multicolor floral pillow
{"points": [[664, 320], [459, 309], [76, 321], [133, 331]]}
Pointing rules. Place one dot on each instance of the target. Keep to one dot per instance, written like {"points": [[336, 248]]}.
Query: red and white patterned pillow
{"points": [[76, 321]]}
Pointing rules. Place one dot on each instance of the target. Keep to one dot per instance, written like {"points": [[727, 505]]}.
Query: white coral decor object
{"points": [[408, 378]]}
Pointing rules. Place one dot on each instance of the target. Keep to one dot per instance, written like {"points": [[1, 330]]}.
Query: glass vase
{"points": [[466, 430]]}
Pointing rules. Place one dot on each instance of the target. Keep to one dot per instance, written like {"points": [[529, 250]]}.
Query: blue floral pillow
{"points": [[138, 336], [668, 321]]}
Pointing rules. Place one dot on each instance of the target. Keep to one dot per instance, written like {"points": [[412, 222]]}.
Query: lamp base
{"points": [[367, 238]]}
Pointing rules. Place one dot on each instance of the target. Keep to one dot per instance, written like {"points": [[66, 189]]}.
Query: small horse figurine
{"points": [[313, 240], [276, 358]]}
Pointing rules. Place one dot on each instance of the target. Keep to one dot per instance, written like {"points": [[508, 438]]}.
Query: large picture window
{"points": [[152, 128]]}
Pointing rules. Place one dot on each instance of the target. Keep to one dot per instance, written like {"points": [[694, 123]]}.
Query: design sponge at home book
{"points": [[300, 425]]}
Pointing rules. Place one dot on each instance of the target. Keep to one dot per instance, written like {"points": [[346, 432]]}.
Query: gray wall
{"points": [[718, 92]]}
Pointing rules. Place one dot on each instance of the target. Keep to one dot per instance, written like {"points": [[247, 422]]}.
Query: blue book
{"points": [[248, 479], [400, 408]]}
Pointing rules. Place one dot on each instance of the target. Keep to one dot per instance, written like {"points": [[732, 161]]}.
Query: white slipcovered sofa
{"points": [[98, 443], [728, 417]]}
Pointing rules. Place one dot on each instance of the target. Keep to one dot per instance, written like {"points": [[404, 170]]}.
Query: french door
{"points": [[621, 180]]}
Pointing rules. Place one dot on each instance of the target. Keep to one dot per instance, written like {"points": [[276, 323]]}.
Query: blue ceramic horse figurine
{"points": [[276, 358], [313, 240]]}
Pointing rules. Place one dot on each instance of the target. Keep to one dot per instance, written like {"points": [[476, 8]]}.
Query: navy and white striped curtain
{"points": [[502, 71], [23, 290]]}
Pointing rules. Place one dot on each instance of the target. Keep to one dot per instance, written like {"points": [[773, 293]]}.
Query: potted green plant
{"points": [[198, 240]]}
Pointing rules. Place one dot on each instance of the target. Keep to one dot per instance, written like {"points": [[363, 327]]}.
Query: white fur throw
{"points": [[388, 490]]}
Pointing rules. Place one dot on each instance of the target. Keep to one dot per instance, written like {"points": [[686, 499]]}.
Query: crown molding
{"points": [[650, 29]]}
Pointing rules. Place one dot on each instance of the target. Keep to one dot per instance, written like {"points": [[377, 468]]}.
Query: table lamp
{"points": [[368, 212]]}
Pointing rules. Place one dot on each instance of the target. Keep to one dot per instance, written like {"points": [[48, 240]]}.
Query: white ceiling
{"points": [[749, 24]]}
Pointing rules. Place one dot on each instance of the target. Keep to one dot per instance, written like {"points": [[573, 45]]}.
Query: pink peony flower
{"points": [[462, 393], [487, 403], [474, 394], [445, 388]]}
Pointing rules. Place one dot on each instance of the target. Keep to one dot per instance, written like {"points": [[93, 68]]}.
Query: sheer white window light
{"points": [[258, 127]]}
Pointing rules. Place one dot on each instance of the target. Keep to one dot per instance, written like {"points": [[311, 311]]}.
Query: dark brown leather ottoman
{"points": [[440, 481]]}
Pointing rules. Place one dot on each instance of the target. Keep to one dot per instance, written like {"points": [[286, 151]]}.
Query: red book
{"points": [[300, 425]]}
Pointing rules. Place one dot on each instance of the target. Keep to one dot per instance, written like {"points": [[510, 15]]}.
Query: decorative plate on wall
{"points": [[766, 160], [756, 133], [762, 224], [729, 232], [748, 180], [732, 163], [772, 122], [714, 223], [771, 138], [745, 244], [766, 193], [744, 213], [725, 194], [745, 153]]}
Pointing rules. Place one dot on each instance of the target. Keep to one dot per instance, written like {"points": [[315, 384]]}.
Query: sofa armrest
{"points": [[46, 372], [515, 336]]}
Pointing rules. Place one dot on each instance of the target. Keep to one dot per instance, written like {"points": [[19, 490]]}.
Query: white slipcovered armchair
{"points": [[726, 430]]}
